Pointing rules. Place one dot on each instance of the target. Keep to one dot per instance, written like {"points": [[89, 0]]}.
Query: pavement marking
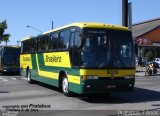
{"points": [[24, 78], [14, 79], [5, 80]]}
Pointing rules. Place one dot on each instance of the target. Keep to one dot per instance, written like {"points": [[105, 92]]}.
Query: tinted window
{"points": [[53, 41], [32, 44], [64, 39], [75, 55], [77, 39], [36, 44], [44, 43], [107, 48], [39, 44], [61, 43], [11, 56], [26, 46]]}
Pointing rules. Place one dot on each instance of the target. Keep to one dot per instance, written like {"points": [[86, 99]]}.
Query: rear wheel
{"points": [[65, 86], [29, 80]]}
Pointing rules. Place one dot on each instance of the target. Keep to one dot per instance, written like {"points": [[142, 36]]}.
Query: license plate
{"points": [[111, 86]]}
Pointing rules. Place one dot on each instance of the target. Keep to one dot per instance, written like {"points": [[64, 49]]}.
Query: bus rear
{"points": [[10, 59]]}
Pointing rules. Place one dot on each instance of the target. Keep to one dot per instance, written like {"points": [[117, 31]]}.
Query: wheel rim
{"points": [[65, 85], [28, 78]]}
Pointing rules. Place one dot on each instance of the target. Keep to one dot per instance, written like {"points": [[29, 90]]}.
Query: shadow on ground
{"points": [[137, 96], [10, 74]]}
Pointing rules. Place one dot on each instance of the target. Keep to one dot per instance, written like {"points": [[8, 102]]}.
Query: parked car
{"points": [[157, 60]]}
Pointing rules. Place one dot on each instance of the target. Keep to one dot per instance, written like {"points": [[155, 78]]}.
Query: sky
{"points": [[40, 14]]}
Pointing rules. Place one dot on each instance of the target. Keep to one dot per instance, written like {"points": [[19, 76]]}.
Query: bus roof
{"points": [[90, 25], [26, 38], [83, 25]]}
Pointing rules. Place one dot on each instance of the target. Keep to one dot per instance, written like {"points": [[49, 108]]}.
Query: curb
{"points": [[143, 75]]}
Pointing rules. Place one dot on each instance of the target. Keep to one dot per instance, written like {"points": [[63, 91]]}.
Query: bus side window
{"points": [[67, 38], [36, 45], [39, 44], [61, 42], [44, 43], [26, 46], [72, 40], [64, 39], [32, 45], [75, 39], [75, 54], [53, 41], [22, 47]]}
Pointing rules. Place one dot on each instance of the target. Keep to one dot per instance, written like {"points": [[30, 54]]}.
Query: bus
{"points": [[9, 59], [83, 58]]}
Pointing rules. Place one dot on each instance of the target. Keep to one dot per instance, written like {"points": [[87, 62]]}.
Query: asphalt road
{"points": [[17, 95]]}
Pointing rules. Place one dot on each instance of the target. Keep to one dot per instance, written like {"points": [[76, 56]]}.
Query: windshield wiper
{"points": [[102, 64]]}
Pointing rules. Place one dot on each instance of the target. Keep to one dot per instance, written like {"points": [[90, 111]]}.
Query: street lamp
{"points": [[34, 28]]}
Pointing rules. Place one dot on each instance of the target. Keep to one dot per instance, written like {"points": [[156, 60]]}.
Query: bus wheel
{"points": [[65, 86], [30, 81]]}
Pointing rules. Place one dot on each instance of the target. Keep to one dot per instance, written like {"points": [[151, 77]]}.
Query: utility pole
{"points": [[125, 13], [130, 16], [52, 25]]}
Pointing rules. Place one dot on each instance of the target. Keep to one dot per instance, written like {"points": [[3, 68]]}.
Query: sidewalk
{"points": [[140, 72]]}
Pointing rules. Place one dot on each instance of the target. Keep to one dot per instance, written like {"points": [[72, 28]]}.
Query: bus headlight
{"points": [[92, 77], [95, 77], [89, 77], [129, 77]]}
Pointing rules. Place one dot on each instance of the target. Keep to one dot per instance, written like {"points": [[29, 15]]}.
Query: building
{"points": [[146, 36]]}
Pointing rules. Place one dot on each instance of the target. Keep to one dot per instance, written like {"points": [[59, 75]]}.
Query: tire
{"points": [[65, 86], [146, 73], [29, 80]]}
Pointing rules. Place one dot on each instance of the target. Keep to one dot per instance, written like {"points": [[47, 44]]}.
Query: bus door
{"points": [[74, 43]]}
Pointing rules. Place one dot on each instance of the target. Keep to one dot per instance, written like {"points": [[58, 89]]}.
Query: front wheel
{"points": [[65, 86]]}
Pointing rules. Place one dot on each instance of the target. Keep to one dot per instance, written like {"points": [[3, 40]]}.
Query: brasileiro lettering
{"points": [[53, 58], [26, 58]]}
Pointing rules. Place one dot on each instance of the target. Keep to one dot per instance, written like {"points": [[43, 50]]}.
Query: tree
{"points": [[149, 56], [4, 37]]}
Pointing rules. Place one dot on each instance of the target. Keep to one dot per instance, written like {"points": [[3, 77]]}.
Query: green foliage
{"points": [[149, 55], [3, 37]]}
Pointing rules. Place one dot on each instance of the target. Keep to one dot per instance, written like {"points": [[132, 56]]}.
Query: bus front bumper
{"points": [[11, 69], [107, 86]]}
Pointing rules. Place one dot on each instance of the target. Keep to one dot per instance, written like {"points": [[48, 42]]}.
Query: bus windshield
{"points": [[107, 48], [11, 56]]}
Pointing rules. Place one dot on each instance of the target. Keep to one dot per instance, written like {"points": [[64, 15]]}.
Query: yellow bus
{"points": [[82, 57]]}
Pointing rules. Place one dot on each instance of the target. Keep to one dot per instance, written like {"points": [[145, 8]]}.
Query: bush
{"points": [[149, 55]]}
